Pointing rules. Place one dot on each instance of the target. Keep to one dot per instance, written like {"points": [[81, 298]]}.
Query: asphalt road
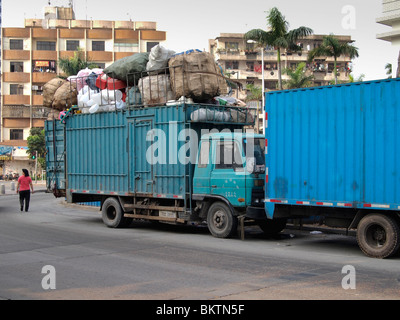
{"points": [[163, 262]]}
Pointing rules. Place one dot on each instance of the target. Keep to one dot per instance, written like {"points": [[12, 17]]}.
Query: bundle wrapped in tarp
{"points": [[49, 89], [135, 63], [195, 74], [158, 59], [65, 96], [155, 89]]}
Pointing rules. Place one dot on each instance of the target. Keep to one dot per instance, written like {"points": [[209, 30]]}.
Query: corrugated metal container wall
{"points": [[108, 152], [55, 164], [334, 145]]}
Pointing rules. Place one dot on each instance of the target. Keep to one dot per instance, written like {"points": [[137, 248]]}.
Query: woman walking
{"points": [[24, 182]]}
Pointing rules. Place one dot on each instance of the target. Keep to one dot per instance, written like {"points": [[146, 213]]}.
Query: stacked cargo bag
{"points": [[195, 74], [125, 68], [49, 89], [155, 89], [65, 96], [158, 59]]}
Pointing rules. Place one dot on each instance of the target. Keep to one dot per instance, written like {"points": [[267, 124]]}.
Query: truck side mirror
{"points": [[250, 164]]}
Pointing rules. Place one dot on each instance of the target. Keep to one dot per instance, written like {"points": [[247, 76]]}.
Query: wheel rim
{"points": [[376, 236], [219, 219], [111, 213]]}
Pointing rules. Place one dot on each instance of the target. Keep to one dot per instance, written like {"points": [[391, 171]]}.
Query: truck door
{"points": [[140, 169], [228, 178]]}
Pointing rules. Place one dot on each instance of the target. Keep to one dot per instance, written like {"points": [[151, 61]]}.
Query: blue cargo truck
{"points": [[181, 164], [334, 152]]}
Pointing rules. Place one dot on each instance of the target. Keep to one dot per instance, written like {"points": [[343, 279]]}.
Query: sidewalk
{"points": [[11, 187]]}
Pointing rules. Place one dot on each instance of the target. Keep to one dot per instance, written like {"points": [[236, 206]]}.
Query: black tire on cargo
{"points": [[220, 220], [272, 227], [378, 235], [113, 215]]}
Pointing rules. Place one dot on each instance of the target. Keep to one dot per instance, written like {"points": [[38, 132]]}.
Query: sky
{"points": [[190, 24]]}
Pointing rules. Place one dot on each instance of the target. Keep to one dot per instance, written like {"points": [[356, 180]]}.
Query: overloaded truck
{"points": [[161, 157], [333, 152], [157, 164]]}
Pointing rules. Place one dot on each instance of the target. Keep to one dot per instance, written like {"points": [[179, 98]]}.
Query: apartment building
{"points": [[29, 58], [391, 18], [242, 60]]}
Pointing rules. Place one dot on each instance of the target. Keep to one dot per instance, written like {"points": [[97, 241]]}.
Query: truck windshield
{"points": [[255, 148]]}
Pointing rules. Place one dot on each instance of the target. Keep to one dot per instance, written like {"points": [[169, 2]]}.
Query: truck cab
{"points": [[229, 179]]}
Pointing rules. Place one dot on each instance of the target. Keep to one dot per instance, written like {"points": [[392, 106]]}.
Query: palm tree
{"points": [[71, 66], [332, 47], [298, 77], [279, 36]]}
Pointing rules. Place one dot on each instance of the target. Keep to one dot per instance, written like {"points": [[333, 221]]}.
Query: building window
{"points": [[232, 65], [16, 89], [151, 45], [46, 45], [16, 134], [232, 45], [125, 47], [98, 46], [16, 66], [72, 45], [16, 44]]}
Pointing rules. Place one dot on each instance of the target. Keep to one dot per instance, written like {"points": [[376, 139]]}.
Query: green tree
{"points": [[37, 145], [332, 47], [254, 92], [389, 70], [298, 78], [71, 66], [279, 36]]}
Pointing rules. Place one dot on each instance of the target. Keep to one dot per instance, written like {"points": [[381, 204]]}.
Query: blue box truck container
{"points": [[184, 163], [334, 152]]}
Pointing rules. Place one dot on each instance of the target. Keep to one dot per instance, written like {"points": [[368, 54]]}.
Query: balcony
{"points": [[126, 35], [153, 35], [16, 55], [14, 99], [100, 55], [16, 111], [72, 33], [123, 24], [42, 77], [24, 112], [44, 33], [16, 32], [44, 55], [99, 34], [120, 55], [21, 77], [37, 100]]}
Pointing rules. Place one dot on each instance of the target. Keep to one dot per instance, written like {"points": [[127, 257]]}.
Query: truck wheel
{"points": [[220, 220], [272, 227], [112, 214], [378, 235]]}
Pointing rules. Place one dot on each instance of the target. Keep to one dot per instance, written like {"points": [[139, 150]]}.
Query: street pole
{"points": [[35, 166]]}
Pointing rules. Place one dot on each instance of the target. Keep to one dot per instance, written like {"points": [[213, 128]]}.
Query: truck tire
{"points": [[112, 214], [272, 227], [220, 220], [378, 235]]}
